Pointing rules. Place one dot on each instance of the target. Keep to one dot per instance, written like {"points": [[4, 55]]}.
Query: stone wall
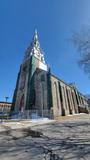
{"points": [[66, 98]]}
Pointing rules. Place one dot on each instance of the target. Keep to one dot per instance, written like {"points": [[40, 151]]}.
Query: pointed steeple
{"points": [[35, 41], [34, 49], [35, 35]]}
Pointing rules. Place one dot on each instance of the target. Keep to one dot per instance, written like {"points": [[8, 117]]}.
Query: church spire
{"points": [[36, 35], [34, 49], [35, 41]]}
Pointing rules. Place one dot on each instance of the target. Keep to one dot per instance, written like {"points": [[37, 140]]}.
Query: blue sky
{"points": [[55, 21]]}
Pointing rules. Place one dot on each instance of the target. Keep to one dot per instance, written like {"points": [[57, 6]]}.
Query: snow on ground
{"points": [[16, 124]]}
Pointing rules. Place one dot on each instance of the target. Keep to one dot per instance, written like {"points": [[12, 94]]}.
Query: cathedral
{"points": [[37, 89]]}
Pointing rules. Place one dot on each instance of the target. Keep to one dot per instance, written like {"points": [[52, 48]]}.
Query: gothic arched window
{"points": [[56, 92], [21, 107]]}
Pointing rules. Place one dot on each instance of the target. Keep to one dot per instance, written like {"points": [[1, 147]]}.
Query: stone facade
{"points": [[38, 89], [66, 98]]}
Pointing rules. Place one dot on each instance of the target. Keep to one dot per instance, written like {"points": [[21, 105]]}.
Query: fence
{"points": [[27, 114]]}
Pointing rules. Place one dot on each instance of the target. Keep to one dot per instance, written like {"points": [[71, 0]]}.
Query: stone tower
{"points": [[31, 90]]}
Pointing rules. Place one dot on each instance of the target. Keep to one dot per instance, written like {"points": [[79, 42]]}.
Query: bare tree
{"points": [[81, 41]]}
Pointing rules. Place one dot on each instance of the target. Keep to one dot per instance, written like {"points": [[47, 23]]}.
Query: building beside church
{"points": [[5, 106], [38, 89]]}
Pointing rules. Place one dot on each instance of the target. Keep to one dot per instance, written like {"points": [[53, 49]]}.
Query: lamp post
{"points": [[6, 98]]}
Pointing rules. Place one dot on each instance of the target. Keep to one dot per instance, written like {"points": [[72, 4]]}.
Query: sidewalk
{"points": [[73, 116]]}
